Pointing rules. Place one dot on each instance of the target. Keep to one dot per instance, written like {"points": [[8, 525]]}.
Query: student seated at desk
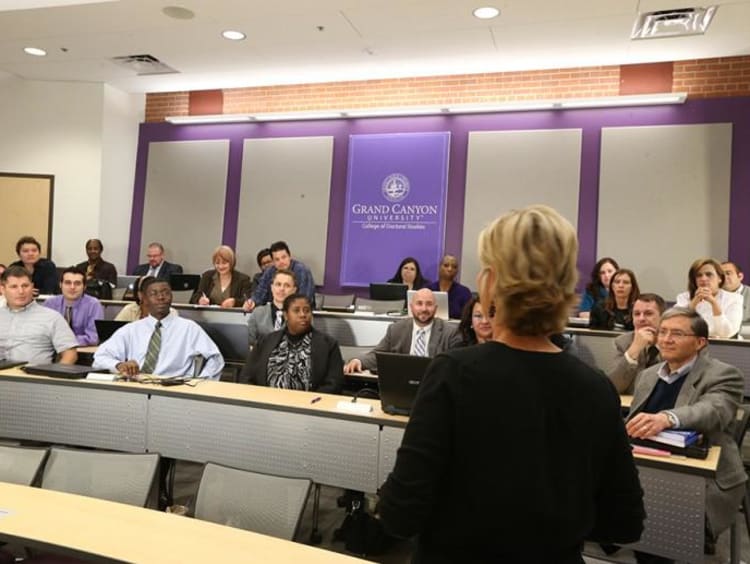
{"points": [[597, 287], [691, 390], [421, 335], [410, 273], [268, 318], [475, 327], [78, 309], [161, 344], [722, 310], [296, 357], [137, 310], [223, 285], [615, 312], [458, 294], [30, 332]]}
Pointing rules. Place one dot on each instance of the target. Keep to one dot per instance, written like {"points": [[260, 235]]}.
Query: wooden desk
{"points": [[85, 527]]}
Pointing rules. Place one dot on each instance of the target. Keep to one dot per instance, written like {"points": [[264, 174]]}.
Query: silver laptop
{"points": [[441, 299]]}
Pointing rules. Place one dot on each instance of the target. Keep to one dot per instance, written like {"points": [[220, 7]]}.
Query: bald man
{"points": [[421, 335]]}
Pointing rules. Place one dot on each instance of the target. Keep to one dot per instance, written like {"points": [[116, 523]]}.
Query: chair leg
{"points": [[166, 482], [315, 536]]}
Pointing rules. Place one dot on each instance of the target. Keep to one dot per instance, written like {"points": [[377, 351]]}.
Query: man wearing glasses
{"points": [[691, 390], [162, 343]]}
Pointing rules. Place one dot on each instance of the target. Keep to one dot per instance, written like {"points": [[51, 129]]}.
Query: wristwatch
{"points": [[673, 421]]}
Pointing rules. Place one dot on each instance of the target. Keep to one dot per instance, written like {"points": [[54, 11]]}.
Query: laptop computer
{"points": [[399, 376], [68, 371], [441, 299], [105, 328], [184, 282], [388, 291]]}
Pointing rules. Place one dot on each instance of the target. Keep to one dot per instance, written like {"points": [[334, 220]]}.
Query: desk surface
{"points": [[86, 526], [230, 393]]}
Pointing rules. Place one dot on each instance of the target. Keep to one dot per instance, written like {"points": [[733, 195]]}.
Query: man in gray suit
{"points": [[691, 390], [733, 278], [268, 318], [422, 334], [636, 350]]}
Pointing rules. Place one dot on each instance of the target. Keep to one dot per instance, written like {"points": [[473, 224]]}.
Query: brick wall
{"points": [[729, 76]]}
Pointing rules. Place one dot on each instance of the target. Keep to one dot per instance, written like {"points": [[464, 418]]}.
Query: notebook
{"points": [[399, 376], [105, 328], [69, 371], [441, 299]]}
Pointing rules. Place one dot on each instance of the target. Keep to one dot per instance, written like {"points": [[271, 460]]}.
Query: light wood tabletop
{"points": [[86, 526]]}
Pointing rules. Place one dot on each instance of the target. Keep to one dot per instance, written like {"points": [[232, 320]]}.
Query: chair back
{"points": [[379, 306], [21, 465], [271, 505], [114, 476]]}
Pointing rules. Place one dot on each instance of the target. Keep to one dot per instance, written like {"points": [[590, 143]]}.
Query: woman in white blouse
{"points": [[722, 310]]}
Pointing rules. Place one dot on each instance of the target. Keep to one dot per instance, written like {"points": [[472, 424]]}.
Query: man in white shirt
{"points": [[422, 334], [162, 343], [733, 277]]}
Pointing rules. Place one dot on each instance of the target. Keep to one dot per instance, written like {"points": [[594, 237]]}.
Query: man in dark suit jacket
{"points": [[156, 265], [691, 390], [636, 350], [402, 336]]}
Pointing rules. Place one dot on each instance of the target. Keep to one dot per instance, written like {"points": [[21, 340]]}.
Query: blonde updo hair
{"points": [[225, 253], [531, 254]]}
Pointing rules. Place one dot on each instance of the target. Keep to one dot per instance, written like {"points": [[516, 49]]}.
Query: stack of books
{"points": [[677, 437]]}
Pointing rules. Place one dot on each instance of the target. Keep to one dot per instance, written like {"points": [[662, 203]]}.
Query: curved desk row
{"points": [[85, 527], [284, 432]]}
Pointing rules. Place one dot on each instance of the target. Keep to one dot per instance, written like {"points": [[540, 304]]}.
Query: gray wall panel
{"points": [[286, 184], [664, 200], [510, 169], [184, 204]]}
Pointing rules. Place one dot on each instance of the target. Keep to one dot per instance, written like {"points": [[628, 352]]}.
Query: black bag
{"points": [[100, 289], [362, 533]]}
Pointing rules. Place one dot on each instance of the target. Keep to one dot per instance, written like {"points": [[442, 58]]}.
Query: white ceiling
{"points": [[360, 39]]}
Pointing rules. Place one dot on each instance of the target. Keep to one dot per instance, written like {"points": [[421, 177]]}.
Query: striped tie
{"points": [[69, 315], [152, 353], [419, 345], [279, 320]]}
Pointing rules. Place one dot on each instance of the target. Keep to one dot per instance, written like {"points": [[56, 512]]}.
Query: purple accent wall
{"points": [[590, 121]]}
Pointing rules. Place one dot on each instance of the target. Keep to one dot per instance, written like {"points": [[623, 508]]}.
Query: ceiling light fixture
{"points": [[233, 35], [457, 109], [486, 12], [34, 51]]}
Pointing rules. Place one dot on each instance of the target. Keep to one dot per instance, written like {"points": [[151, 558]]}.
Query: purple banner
{"points": [[395, 205]]}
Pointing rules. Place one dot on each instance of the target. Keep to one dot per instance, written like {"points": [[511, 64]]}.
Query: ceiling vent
{"points": [[143, 64], [673, 23]]}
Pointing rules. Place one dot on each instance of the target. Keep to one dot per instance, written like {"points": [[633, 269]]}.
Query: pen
{"points": [[316, 399]]}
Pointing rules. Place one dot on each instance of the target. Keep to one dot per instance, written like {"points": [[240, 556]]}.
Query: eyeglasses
{"points": [[480, 316], [677, 334]]}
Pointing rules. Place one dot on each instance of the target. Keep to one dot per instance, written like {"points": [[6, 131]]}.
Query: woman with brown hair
{"points": [[722, 310], [615, 312]]}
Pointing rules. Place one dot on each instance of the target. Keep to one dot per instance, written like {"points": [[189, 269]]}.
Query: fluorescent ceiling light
{"points": [[233, 35], [209, 118], [34, 51], [486, 13], [619, 101], [8, 5], [458, 109]]}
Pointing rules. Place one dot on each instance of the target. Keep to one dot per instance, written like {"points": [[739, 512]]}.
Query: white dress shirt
{"points": [[725, 325]]}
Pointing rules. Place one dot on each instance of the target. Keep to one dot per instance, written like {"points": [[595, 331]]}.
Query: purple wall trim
{"points": [[724, 110]]}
